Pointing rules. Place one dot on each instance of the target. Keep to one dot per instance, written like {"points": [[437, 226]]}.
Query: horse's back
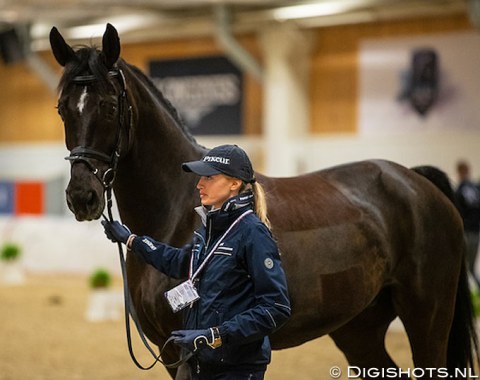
{"points": [[346, 193]]}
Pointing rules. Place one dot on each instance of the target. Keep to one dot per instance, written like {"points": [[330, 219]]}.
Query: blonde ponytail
{"points": [[260, 204], [259, 201]]}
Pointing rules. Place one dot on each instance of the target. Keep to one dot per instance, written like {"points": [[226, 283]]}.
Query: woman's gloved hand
{"points": [[116, 231], [194, 340]]}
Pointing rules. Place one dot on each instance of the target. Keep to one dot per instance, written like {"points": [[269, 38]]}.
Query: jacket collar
{"points": [[239, 201], [223, 217]]}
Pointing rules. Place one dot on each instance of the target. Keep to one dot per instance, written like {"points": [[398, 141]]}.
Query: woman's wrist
{"points": [[130, 241], [216, 338]]}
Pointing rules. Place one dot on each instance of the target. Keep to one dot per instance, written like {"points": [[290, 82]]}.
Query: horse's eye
{"points": [[107, 106], [61, 110]]}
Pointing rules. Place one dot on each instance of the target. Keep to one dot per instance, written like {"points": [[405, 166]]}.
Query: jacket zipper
{"points": [[209, 234], [205, 249]]}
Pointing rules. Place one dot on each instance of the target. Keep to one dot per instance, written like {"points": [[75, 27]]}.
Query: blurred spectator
{"points": [[468, 202]]}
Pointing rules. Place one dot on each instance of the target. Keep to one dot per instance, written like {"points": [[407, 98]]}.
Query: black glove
{"points": [[194, 340], [116, 231]]}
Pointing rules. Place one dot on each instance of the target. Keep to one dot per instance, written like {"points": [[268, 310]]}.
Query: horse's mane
{"points": [[160, 96], [90, 60]]}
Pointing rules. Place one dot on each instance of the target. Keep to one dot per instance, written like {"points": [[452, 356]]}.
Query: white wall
{"points": [[33, 161], [60, 244], [439, 149]]}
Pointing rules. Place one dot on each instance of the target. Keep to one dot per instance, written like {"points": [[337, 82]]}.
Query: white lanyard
{"points": [[192, 276]]}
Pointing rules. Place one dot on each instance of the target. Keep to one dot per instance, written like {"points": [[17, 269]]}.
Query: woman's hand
{"points": [[116, 231], [194, 340]]}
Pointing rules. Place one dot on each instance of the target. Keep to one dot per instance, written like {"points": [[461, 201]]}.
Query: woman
{"points": [[236, 292], [467, 196]]}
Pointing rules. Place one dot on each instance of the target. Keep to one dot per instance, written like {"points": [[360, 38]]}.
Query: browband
{"points": [[84, 79]]}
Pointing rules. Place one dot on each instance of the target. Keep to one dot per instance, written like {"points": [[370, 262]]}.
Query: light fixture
{"points": [[324, 8], [123, 24]]}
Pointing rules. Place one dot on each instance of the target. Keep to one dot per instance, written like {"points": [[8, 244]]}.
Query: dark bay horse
{"points": [[361, 243]]}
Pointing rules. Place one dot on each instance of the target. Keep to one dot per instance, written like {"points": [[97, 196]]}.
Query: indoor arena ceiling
{"points": [[141, 20]]}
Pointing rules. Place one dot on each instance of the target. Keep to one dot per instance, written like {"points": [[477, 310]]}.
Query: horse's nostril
{"points": [[69, 201], [70, 204], [91, 199]]}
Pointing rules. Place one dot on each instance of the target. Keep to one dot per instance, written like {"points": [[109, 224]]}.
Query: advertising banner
{"points": [[207, 92]]}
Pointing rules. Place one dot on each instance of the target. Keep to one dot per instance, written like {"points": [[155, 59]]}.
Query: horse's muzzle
{"points": [[84, 194], [85, 205]]}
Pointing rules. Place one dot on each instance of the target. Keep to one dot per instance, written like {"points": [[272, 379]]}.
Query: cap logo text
{"points": [[221, 160]]}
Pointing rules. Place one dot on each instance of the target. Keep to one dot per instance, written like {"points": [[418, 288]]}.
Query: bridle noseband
{"points": [[85, 154], [82, 154]]}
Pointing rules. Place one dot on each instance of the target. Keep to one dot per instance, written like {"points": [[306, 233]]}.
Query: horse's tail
{"points": [[463, 350], [462, 342], [438, 178]]}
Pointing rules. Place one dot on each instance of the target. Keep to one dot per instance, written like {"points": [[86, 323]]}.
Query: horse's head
{"points": [[94, 108]]}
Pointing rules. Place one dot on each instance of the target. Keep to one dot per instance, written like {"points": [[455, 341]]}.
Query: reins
{"points": [[131, 312], [84, 155]]}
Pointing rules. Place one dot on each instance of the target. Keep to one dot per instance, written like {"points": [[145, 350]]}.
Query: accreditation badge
{"points": [[182, 296]]}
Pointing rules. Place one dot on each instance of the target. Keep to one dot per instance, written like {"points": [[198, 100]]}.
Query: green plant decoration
{"points": [[100, 279], [10, 252]]}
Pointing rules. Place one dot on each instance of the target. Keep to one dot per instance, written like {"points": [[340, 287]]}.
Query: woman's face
{"points": [[216, 189]]}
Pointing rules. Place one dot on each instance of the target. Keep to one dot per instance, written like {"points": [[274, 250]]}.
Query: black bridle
{"points": [[85, 155]]}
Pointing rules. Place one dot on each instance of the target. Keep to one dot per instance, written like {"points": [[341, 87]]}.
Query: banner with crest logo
{"points": [[426, 83]]}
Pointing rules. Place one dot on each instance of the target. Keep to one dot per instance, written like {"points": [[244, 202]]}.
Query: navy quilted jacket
{"points": [[242, 287]]}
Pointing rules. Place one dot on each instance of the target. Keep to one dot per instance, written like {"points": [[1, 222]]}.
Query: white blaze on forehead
{"points": [[82, 100]]}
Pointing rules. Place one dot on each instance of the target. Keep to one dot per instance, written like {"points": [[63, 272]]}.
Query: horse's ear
{"points": [[61, 50], [111, 46]]}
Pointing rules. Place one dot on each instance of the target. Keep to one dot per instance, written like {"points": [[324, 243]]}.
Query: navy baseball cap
{"points": [[224, 159]]}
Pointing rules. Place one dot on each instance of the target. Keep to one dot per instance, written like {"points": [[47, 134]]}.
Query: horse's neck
{"points": [[154, 196]]}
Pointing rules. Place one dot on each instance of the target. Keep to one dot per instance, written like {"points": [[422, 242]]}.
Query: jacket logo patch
{"points": [[268, 263], [149, 244], [222, 250]]}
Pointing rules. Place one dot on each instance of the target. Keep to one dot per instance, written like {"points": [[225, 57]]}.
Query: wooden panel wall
{"points": [[27, 107]]}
